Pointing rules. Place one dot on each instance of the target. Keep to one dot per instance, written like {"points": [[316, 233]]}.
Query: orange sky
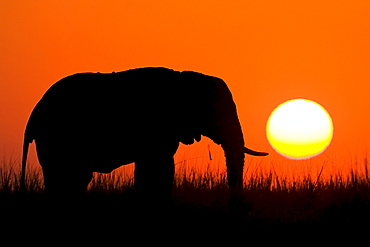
{"points": [[266, 51]]}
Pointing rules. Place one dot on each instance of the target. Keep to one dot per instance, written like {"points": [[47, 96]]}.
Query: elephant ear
{"points": [[190, 107]]}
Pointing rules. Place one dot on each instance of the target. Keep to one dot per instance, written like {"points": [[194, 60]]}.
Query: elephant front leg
{"points": [[154, 180]]}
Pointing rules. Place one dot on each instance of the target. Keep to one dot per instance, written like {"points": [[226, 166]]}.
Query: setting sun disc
{"points": [[299, 129]]}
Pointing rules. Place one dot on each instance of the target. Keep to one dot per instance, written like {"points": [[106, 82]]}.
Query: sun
{"points": [[299, 129]]}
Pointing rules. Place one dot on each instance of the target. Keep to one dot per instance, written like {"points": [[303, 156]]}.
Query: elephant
{"points": [[97, 122]]}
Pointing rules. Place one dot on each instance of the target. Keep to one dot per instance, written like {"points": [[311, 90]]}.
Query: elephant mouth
{"points": [[254, 153]]}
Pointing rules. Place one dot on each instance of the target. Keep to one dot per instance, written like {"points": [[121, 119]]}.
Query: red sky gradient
{"points": [[266, 51]]}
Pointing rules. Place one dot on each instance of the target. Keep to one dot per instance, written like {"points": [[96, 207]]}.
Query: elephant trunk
{"points": [[228, 133], [233, 146]]}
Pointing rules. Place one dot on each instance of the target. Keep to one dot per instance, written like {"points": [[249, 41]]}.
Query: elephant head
{"points": [[216, 112]]}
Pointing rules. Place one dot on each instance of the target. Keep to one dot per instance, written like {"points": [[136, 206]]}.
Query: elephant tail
{"points": [[26, 144]]}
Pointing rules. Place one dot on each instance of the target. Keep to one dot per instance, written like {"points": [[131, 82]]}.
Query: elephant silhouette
{"points": [[97, 122]]}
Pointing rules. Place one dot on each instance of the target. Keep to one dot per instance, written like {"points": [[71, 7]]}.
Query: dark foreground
{"points": [[264, 216]]}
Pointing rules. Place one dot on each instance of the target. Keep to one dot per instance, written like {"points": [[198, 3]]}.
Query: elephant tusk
{"points": [[255, 153]]}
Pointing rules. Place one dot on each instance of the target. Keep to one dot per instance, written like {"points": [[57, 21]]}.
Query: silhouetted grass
{"points": [[269, 201]]}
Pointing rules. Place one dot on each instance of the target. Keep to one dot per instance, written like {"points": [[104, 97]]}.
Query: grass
{"points": [[270, 201]]}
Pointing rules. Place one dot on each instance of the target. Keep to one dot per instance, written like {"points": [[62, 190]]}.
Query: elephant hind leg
{"points": [[63, 174], [65, 183]]}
